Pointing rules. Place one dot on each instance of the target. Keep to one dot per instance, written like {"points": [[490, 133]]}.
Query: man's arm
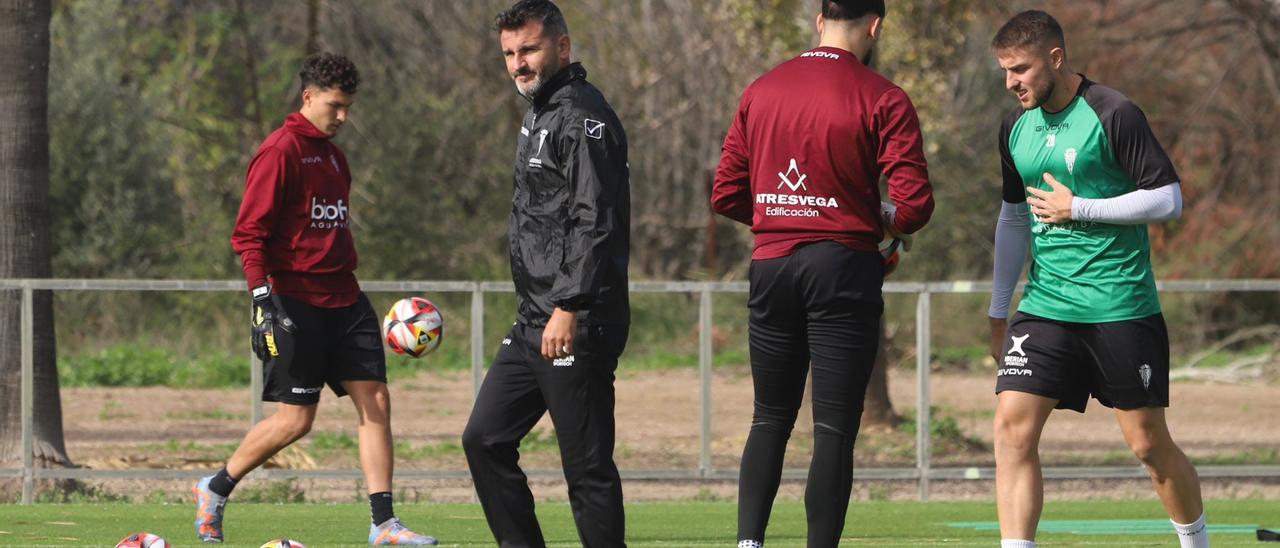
{"points": [[901, 160], [264, 190], [263, 193], [1012, 240], [1143, 206], [595, 160], [731, 192], [1139, 207]]}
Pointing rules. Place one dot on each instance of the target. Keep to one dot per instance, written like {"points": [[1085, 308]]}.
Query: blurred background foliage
{"points": [[156, 107]]}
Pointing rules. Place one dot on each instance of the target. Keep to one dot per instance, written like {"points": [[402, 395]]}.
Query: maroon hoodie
{"points": [[803, 158], [294, 221]]}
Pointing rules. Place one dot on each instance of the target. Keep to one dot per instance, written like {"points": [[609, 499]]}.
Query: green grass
{"points": [[709, 523]]}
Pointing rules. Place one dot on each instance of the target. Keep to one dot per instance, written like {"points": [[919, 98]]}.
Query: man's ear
{"points": [[565, 47], [1057, 58], [877, 25], [820, 23]]}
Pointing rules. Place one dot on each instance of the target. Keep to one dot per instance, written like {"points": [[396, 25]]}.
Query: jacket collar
{"points": [[300, 125], [575, 71]]}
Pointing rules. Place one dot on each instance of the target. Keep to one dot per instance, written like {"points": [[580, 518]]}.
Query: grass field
{"points": [[1111, 523]]}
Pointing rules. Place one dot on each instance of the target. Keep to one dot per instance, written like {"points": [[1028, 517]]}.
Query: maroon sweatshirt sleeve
{"points": [[263, 194], [901, 159], [731, 192]]}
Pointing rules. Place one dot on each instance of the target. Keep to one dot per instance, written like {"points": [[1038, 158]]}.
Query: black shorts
{"points": [[327, 346], [1125, 364]]}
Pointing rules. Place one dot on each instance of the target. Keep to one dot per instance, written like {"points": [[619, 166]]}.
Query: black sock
{"points": [[381, 505], [222, 483]]}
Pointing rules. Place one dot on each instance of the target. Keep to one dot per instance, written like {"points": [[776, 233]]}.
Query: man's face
{"points": [[532, 56], [1028, 73], [326, 108]]}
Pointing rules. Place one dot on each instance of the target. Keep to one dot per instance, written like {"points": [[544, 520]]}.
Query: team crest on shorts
{"points": [[1144, 371]]}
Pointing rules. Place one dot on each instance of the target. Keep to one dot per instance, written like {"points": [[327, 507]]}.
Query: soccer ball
{"points": [[282, 543], [142, 540], [414, 327]]}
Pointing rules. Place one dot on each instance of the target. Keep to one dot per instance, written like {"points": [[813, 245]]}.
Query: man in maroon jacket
{"points": [[801, 166], [312, 325]]}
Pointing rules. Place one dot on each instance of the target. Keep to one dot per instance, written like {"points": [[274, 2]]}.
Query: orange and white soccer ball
{"points": [[142, 540], [413, 327]]}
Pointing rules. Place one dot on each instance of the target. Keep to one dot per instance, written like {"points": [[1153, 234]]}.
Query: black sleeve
{"points": [[594, 157], [1133, 143], [1013, 191]]}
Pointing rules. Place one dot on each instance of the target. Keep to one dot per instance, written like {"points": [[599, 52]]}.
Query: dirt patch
{"points": [[658, 429]]}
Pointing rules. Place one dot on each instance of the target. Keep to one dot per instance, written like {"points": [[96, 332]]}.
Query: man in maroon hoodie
{"points": [[801, 166], [312, 326]]}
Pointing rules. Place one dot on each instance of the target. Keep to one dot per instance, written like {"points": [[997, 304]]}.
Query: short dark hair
{"points": [[525, 11], [326, 70], [848, 10], [1031, 27]]}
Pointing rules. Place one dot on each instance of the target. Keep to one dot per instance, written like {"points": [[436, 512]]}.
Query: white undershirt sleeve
{"points": [[1139, 207], [1013, 238]]}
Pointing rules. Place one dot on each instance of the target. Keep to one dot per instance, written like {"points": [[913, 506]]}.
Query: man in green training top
{"points": [[1082, 158]]}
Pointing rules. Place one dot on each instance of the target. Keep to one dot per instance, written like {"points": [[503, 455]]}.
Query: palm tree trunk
{"points": [[25, 241]]}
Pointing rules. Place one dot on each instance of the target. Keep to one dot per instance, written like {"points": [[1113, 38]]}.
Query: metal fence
{"points": [[922, 472]]}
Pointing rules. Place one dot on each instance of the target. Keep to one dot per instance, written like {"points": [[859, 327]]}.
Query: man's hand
{"points": [[557, 337], [1051, 206], [887, 213], [999, 327], [267, 315]]}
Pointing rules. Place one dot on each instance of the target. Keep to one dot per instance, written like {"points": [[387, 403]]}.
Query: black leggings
{"points": [[821, 305]]}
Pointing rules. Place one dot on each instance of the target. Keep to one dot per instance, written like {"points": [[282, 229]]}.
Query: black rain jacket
{"points": [[570, 233]]}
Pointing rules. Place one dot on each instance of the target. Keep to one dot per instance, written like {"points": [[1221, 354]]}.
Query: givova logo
{"points": [[326, 215]]}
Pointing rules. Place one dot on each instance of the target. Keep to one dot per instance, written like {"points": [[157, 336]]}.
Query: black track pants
{"points": [[578, 392], [819, 307]]}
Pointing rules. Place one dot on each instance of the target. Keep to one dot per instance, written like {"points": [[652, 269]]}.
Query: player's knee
{"points": [[1152, 451], [476, 439], [772, 419], [1013, 436], [294, 428]]}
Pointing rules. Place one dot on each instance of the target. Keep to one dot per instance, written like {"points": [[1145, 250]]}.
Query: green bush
{"points": [[133, 364]]}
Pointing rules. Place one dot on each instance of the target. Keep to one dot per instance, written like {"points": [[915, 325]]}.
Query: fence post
{"points": [[923, 351], [704, 375], [28, 394], [477, 339]]}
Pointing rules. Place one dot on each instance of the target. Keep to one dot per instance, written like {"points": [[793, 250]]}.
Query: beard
{"points": [[539, 80], [1041, 96]]}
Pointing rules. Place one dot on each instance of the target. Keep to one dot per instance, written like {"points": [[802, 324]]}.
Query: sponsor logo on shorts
{"points": [[306, 390], [1016, 363], [506, 341], [1144, 372], [563, 362], [1017, 344], [1013, 371]]}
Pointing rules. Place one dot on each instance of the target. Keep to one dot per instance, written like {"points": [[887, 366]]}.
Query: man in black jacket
{"points": [[569, 238]]}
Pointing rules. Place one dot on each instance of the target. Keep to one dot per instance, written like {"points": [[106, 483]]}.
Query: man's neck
{"points": [[1063, 94]]}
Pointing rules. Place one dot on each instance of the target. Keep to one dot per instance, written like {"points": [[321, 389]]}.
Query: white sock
{"points": [[750, 544], [1017, 543], [1192, 535]]}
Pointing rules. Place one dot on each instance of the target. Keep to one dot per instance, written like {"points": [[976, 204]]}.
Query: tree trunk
{"points": [[878, 410], [25, 247]]}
